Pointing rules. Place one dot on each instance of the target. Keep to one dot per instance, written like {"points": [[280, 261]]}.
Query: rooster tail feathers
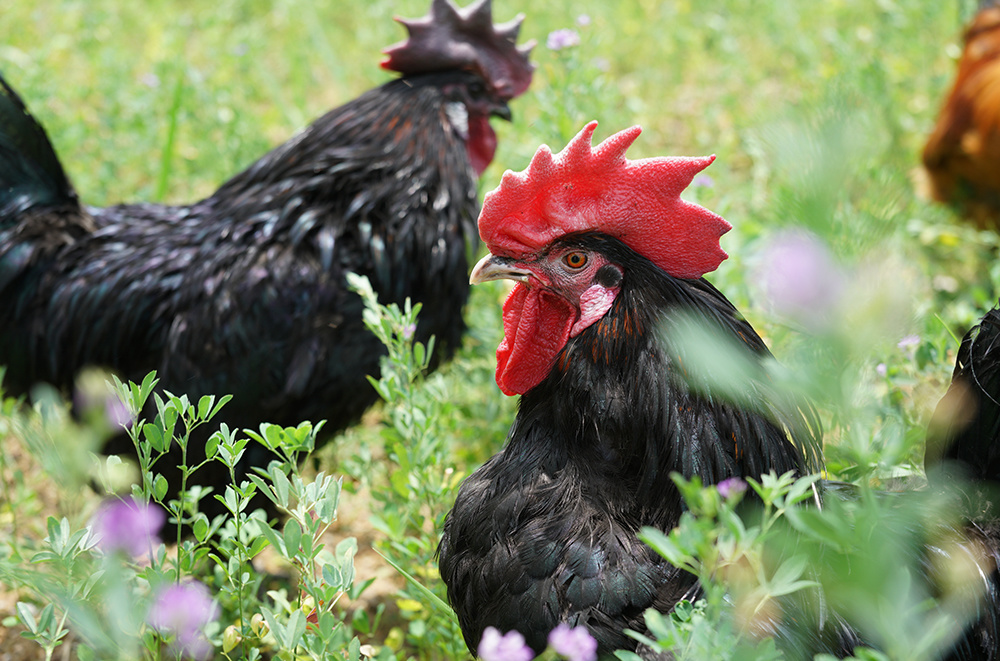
{"points": [[30, 173], [965, 428]]}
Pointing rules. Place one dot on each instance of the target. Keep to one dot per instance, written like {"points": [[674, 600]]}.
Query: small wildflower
{"points": [[117, 412], [703, 181], [184, 610], [908, 342], [731, 487], [583, 20], [575, 644], [127, 526], [407, 331], [800, 279], [150, 79], [564, 38], [92, 401], [510, 646], [881, 369]]}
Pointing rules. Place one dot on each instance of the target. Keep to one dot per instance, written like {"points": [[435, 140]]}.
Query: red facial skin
{"points": [[558, 295]]}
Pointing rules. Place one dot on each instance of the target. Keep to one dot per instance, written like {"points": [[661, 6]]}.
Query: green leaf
{"points": [[801, 490], [292, 537], [46, 617], [665, 546], [272, 536], [205, 405], [785, 578], [263, 488], [295, 629], [333, 576], [218, 406], [437, 601], [825, 526], [200, 527], [281, 485], [26, 617], [212, 445], [160, 487], [278, 629], [625, 655], [154, 436], [256, 546]]}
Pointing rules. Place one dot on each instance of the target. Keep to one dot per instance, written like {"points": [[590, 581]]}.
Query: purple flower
{"points": [[91, 398], [127, 526], [583, 20], [564, 38], [184, 610], [510, 646], [908, 342], [117, 412], [150, 79], [731, 487], [800, 279], [881, 369], [575, 644], [703, 181]]}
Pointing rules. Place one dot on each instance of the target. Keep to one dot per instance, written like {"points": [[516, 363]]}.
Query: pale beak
{"points": [[492, 267]]}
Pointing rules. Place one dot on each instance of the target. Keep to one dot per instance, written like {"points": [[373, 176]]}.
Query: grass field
{"points": [[816, 112]]}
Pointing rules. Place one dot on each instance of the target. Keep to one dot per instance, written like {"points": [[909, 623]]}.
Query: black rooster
{"points": [[608, 261], [605, 253], [244, 292], [963, 448]]}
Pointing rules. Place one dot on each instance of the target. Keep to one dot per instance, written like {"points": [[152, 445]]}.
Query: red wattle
{"points": [[536, 326], [482, 143]]}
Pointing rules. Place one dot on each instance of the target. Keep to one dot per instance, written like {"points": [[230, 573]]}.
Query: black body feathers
{"points": [[244, 292]]}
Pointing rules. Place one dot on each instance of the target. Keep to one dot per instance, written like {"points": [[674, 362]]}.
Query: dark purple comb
{"points": [[451, 37]]}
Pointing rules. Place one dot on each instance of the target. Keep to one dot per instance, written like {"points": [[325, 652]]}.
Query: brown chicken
{"points": [[962, 155]]}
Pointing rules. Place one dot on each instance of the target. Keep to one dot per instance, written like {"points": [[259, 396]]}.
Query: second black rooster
{"points": [[244, 292]]}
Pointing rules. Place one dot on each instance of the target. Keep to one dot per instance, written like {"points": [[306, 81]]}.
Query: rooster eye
{"points": [[575, 260]]}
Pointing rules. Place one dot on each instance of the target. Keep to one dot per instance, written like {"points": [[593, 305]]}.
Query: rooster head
{"points": [[465, 39], [532, 222]]}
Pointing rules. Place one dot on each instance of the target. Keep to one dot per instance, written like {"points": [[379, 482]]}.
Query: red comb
{"points": [[596, 188], [450, 37]]}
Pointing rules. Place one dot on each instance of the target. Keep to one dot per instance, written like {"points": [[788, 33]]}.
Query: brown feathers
{"points": [[962, 155]]}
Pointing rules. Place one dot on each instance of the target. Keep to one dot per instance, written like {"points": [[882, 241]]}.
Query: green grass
{"points": [[816, 111]]}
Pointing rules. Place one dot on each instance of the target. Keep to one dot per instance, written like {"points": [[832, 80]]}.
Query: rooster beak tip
{"points": [[492, 267]]}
